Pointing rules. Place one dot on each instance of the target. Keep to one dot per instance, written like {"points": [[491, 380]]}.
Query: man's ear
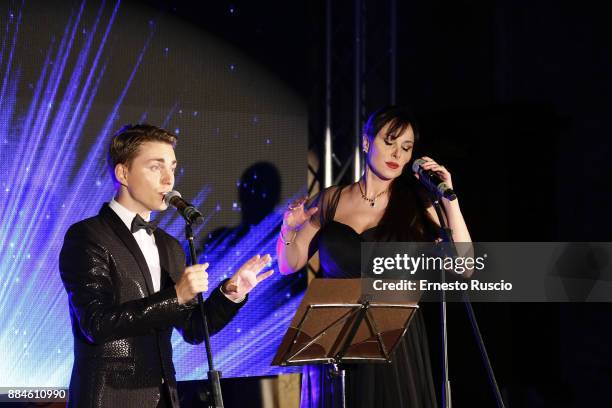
{"points": [[365, 144], [121, 174]]}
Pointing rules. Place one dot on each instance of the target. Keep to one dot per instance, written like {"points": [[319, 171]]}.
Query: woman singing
{"points": [[386, 204]]}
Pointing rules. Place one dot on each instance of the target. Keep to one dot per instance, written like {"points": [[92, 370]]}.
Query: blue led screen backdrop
{"points": [[72, 73]]}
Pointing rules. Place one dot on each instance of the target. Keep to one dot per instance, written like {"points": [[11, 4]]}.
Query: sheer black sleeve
{"points": [[326, 200]]}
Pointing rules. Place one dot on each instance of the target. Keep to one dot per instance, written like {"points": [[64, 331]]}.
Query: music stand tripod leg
{"points": [[340, 373]]}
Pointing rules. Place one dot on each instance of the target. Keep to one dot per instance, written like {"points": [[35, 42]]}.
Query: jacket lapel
{"points": [[164, 255], [127, 238]]}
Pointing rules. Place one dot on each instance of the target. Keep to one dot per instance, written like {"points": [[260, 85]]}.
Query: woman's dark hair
{"points": [[405, 218], [398, 118]]}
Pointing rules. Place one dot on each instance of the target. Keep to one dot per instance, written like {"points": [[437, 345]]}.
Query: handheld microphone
{"points": [[430, 179], [188, 211]]}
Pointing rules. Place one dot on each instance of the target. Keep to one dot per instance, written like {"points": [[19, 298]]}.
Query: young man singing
{"points": [[128, 286]]}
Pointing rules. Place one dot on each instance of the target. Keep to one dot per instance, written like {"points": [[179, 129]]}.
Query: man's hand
{"points": [[193, 281], [247, 277]]}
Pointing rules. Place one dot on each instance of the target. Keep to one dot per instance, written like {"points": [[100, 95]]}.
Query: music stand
{"points": [[337, 324]]}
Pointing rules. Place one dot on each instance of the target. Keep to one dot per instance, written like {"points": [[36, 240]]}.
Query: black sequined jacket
{"points": [[121, 328]]}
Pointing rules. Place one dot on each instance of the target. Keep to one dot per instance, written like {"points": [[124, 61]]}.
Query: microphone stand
{"points": [[447, 236], [214, 376]]}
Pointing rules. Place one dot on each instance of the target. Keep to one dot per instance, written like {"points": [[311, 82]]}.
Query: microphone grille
{"points": [[417, 164], [170, 195]]}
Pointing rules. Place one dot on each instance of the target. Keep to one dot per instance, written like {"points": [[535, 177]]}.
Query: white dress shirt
{"points": [[145, 242], [147, 245]]}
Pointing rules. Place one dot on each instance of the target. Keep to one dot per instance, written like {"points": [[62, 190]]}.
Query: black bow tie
{"points": [[138, 223]]}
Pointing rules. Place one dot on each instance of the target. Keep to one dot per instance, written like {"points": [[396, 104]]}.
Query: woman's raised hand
{"points": [[296, 216], [441, 171]]}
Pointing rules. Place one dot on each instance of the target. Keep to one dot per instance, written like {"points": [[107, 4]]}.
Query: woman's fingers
{"points": [[311, 212]]}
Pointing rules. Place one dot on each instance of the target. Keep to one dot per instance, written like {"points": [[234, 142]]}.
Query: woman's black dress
{"points": [[407, 381]]}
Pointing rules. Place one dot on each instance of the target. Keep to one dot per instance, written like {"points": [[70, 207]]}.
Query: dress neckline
{"points": [[334, 204], [353, 229]]}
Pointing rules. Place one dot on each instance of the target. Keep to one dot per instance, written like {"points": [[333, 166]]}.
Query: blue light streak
{"points": [[46, 188]]}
